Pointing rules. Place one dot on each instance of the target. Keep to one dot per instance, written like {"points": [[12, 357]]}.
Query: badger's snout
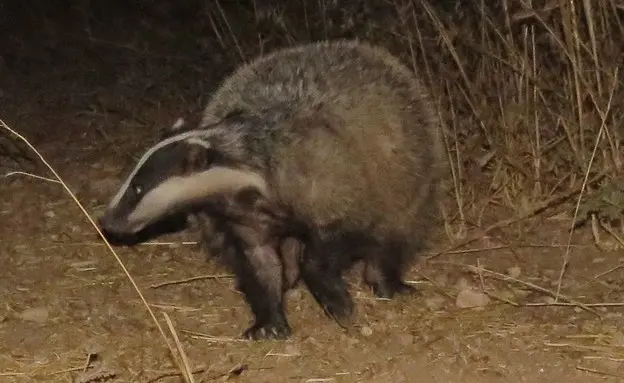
{"points": [[120, 232], [110, 224], [116, 232]]}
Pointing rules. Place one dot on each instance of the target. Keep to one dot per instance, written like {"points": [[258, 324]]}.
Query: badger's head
{"points": [[181, 172]]}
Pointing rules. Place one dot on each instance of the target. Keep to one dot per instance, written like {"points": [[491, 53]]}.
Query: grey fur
{"points": [[357, 94], [363, 122], [349, 148]]}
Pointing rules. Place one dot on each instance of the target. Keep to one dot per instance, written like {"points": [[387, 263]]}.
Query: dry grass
{"points": [[524, 90], [176, 352]]}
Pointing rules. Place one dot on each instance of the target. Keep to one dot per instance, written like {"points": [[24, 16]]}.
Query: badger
{"points": [[306, 160]]}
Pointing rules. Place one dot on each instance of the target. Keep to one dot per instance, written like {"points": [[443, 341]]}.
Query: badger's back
{"points": [[350, 135]]}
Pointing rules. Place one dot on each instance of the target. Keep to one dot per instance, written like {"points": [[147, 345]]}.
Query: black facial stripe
{"points": [[161, 166], [216, 158]]}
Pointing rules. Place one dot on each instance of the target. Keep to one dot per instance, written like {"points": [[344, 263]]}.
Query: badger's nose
{"points": [[112, 232], [101, 222], [109, 225]]}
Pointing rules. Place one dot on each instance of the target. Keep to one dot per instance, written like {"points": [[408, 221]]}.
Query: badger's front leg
{"points": [[258, 268], [210, 230]]}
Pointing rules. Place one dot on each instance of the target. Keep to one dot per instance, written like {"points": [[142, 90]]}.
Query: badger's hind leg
{"points": [[291, 253], [384, 268], [321, 269]]}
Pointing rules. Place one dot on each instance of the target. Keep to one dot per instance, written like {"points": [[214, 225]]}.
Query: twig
{"points": [[594, 371], [609, 271], [108, 245], [188, 374], [168, 374], [554, 201], [603, 304], [164, 306], [503, 247], [158, 243], [191, 279], [234, 371], [566, 255], [582, 347], [73, 369], [210, 338], [9, 174]]}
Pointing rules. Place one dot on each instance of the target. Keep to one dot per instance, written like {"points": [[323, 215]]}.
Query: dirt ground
{"points": [[64, 298], [68, 313]]}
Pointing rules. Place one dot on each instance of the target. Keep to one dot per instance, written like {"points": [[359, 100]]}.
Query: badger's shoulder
{"points": [[336, 72]]}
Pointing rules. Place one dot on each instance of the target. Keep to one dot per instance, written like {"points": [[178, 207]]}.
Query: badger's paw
{"points": [[337, 304], [389, 290], [274, 329]]}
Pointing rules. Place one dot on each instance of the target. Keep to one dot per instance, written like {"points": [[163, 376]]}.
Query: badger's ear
{"points": [[178, 126]]}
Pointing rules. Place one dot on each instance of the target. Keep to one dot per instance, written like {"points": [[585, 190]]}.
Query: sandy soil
{"points": [[64, 298], [69, 313]]}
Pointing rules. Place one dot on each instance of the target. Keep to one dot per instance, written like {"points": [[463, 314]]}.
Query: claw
{"points": [[388, 290], [269, 330]]}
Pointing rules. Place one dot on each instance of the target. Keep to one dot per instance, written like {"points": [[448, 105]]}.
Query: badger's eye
{"points": [[138, 190]]}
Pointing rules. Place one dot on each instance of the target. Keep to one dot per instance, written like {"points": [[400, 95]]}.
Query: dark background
{"points": [[523, 91]]}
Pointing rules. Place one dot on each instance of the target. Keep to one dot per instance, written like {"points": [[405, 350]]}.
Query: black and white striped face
{"points": [[171, 177]]}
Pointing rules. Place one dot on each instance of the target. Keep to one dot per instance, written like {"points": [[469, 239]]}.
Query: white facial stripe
{"points": [[179, 192], [192, 134]]}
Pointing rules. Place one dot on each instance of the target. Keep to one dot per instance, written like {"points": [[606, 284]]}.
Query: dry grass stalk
{"points": [[108, 245], [566, 257], [191, 279], [599, 372], [188, 374]]}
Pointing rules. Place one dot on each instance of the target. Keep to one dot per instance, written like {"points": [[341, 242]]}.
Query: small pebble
{"points": [[514, 272], [469, 298], [463, 283], [291, 349], [294, 294], [390, 315], [618, 339], [547, 299], [434, 302], [366, 331], [42, 359], [405, 339], [441, 280], [35, 314]]}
